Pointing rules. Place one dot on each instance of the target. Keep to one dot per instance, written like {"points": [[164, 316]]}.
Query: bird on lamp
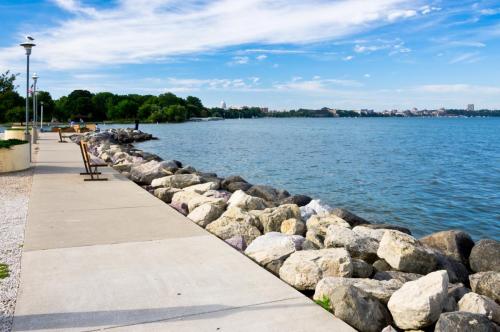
{"points": [[28, 37]]}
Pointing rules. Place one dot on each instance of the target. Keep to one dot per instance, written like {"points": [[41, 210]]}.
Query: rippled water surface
{"points": [[425, 174]]}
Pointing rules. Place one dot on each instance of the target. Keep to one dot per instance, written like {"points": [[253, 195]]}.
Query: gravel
{"points": [[14, 195]]}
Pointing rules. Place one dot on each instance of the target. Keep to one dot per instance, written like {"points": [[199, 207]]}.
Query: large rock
{"points": [[147, 172], [381, 290], [205, 214], [351, 218], [487, 284], [246, 202], [271, 250], [234, 183], [400, 276], [418, 304], [364, 248], [457, 272], [178, 181], [454, 244], [314, 207], [184, 197], [166, 194], [304, 269], [237, 242], [268, 193], [272, 218], [404, 253], [300, 200], [361, 269], [317, 226], [464, 322], [235, 222], [485, 256], [388, 226], [202, 188], [359, 309], [201, 199], [480, 304], [161, 182], [293, 226]]}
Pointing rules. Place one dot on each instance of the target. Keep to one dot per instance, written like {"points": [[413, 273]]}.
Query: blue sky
{"points": [[282, 54]]}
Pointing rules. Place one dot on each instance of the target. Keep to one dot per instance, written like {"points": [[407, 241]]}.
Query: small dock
{"points": [[110, 256]]}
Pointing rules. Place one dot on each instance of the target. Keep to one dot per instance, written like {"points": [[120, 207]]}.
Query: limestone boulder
{"points": [[364, 248], [300, 200], [457, 272], [480, 304], [147, 172], [123, 166], [454, 244], [464, 322], [304, 269], [184, 197], [485, 256], [225, 195], [381, 290], [162, 182], [182, 208], [359, 309], [487, 284], [166, 194], [317, 226], [402, 252], [268, 193], [361, 269], [202, 188], [388, 226], [271, 249], [272, 218], [418, 304], [381, 265], [235, 183], [237, 242], [243, 201], [351, 218], [235, 222], [314, 207], [293, 226], [400, 276], [201, 199], [205, 214]]}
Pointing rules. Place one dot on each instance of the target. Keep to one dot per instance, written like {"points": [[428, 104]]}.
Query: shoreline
{"points": [[284, 233]]}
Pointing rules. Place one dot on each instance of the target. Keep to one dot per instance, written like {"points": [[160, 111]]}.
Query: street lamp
{"points": [[41, 115], [28, 45], [33, 94]]}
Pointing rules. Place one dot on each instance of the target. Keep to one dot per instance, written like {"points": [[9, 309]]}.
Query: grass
{"points": [[7, 144], [324, 302], [4, 271]]}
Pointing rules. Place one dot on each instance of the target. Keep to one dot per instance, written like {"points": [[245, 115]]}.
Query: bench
{"points": [[91, 167], [61, 136]]}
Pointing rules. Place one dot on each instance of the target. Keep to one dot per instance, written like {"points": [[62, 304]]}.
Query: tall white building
{"points": [[223, 105], [470, 107]]}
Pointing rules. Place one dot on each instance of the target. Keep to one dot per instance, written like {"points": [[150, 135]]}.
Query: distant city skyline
{"points": [[384, 54]]}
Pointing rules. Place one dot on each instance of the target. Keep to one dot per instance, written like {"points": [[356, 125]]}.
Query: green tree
{"points": [[16, 114], [125, 109], [79, 104], [169, 99], [48, 104], [9, 98]]}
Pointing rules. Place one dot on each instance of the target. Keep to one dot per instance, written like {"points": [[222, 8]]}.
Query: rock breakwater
{"points": [[373, 276]]}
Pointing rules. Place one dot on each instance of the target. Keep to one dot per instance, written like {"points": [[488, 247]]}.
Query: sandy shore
{"points": [[14, 195]]}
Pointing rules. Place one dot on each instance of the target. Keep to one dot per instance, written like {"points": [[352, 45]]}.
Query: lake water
{"points": [[427, 174]]}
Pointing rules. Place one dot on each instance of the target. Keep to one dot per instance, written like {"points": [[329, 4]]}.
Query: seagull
{"points": [[28, 37]]}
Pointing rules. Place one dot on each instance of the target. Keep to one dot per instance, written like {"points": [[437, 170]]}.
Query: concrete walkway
{"points": [[108, 255]]}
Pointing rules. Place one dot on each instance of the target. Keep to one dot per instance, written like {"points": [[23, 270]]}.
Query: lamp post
{"points": [[41, 115], [28, 45], [35, 79]]}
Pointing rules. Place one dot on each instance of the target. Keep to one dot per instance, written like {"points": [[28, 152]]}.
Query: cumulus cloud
{"points": [[459, 89], [137, 31], [261, 57]]}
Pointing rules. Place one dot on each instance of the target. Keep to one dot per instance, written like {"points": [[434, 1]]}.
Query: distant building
{"points": [[264, 109], [223, 105], [470, 107]]}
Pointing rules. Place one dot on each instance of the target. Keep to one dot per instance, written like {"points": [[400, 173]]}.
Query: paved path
{"points": [[108, 255]]}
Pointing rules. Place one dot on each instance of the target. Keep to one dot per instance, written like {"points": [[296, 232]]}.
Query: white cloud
{"points": [[348, 58], [424, 10], [240, 60], [400, 14], [466, 58], [274, 51], [367, 75], [459, 89], [137, 31], [261, 57], [316, 84]]}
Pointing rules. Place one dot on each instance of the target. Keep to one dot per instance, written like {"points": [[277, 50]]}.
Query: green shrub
{"points": [[324, 302], [4, 271], [7, 144]]}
